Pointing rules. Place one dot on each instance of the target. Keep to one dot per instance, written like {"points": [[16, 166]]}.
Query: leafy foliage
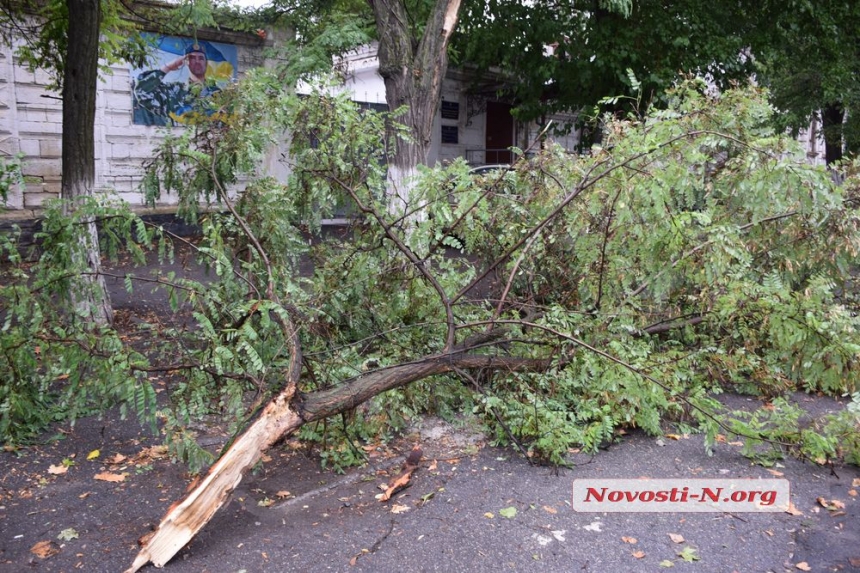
{"points": [[567, 56], [10, 175], [56, 367], [694, 252], [39, 32], [806, 55]]}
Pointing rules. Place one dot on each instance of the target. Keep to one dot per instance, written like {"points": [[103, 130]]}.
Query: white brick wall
{"points": [[31, 124]]}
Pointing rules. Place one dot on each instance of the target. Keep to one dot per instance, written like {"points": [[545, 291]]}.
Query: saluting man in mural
{"points": [[168, 95]]}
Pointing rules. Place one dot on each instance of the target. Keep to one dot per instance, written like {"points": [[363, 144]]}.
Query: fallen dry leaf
{"points": [[108, 476], [116, 459], [58, 470], [45, 549], [549, 509], [398, 508], [852, 492], [854, 561], [777, 473], [638, 554], [792, 509], [432, 466], [151, 453], [630, 540], [855, 482], [830, 505], [676, 538], [489, 515], [93, 454], [803, 566], [283, 494], [673, 436]]}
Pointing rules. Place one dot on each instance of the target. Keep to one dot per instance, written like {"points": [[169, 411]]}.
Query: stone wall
{"points": [[31, 124]]}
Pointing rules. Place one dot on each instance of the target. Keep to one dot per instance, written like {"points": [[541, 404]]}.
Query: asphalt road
{"points": [[291, 516]]}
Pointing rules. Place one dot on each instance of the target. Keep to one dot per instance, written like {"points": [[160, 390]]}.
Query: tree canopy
{"points": [[594, 44], [807, 54], [803, 51]]}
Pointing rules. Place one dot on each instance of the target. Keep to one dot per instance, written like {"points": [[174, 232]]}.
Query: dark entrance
{"points": [[499, 133]]}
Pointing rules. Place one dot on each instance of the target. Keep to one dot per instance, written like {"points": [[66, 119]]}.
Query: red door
{"points": [[499, 133]]}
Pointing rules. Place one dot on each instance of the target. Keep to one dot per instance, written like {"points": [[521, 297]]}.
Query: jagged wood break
{"points": [[286, 413]]}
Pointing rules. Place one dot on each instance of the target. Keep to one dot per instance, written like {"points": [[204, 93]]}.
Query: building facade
{"points": [[470, 123], [31, 116]]}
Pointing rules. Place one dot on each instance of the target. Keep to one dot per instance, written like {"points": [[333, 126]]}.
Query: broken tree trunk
{"points": [[286, 413]]}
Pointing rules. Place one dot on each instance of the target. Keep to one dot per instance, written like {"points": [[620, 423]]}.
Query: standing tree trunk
{"points": [[413, 69], [832, 118], [80, 80]]}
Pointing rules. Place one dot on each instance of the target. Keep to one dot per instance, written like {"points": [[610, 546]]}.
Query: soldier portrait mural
{"points": [[180, 74]]}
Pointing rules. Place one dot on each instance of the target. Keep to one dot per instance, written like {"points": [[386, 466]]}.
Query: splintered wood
{"points": [[402, 480], [185, 519]]}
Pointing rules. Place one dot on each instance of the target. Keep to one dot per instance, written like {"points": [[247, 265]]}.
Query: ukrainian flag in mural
{"points": [[180, 76]]}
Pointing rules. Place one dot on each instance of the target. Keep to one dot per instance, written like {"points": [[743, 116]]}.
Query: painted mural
{"points": [[182, 73]]}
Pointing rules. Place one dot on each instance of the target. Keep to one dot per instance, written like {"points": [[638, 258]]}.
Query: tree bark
{"points": [[281, 417], [80, 80], [413, 69], [831, 120]]}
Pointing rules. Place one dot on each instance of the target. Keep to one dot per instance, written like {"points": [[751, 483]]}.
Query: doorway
{"points": [[499, 133]]}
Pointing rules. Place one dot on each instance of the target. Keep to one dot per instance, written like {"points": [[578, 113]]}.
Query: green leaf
{"points": [[68, 534], [509, 512], [688, 554]]}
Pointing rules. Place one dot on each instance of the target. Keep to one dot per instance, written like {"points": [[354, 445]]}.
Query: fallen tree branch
{"points": [[285, 414]]}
